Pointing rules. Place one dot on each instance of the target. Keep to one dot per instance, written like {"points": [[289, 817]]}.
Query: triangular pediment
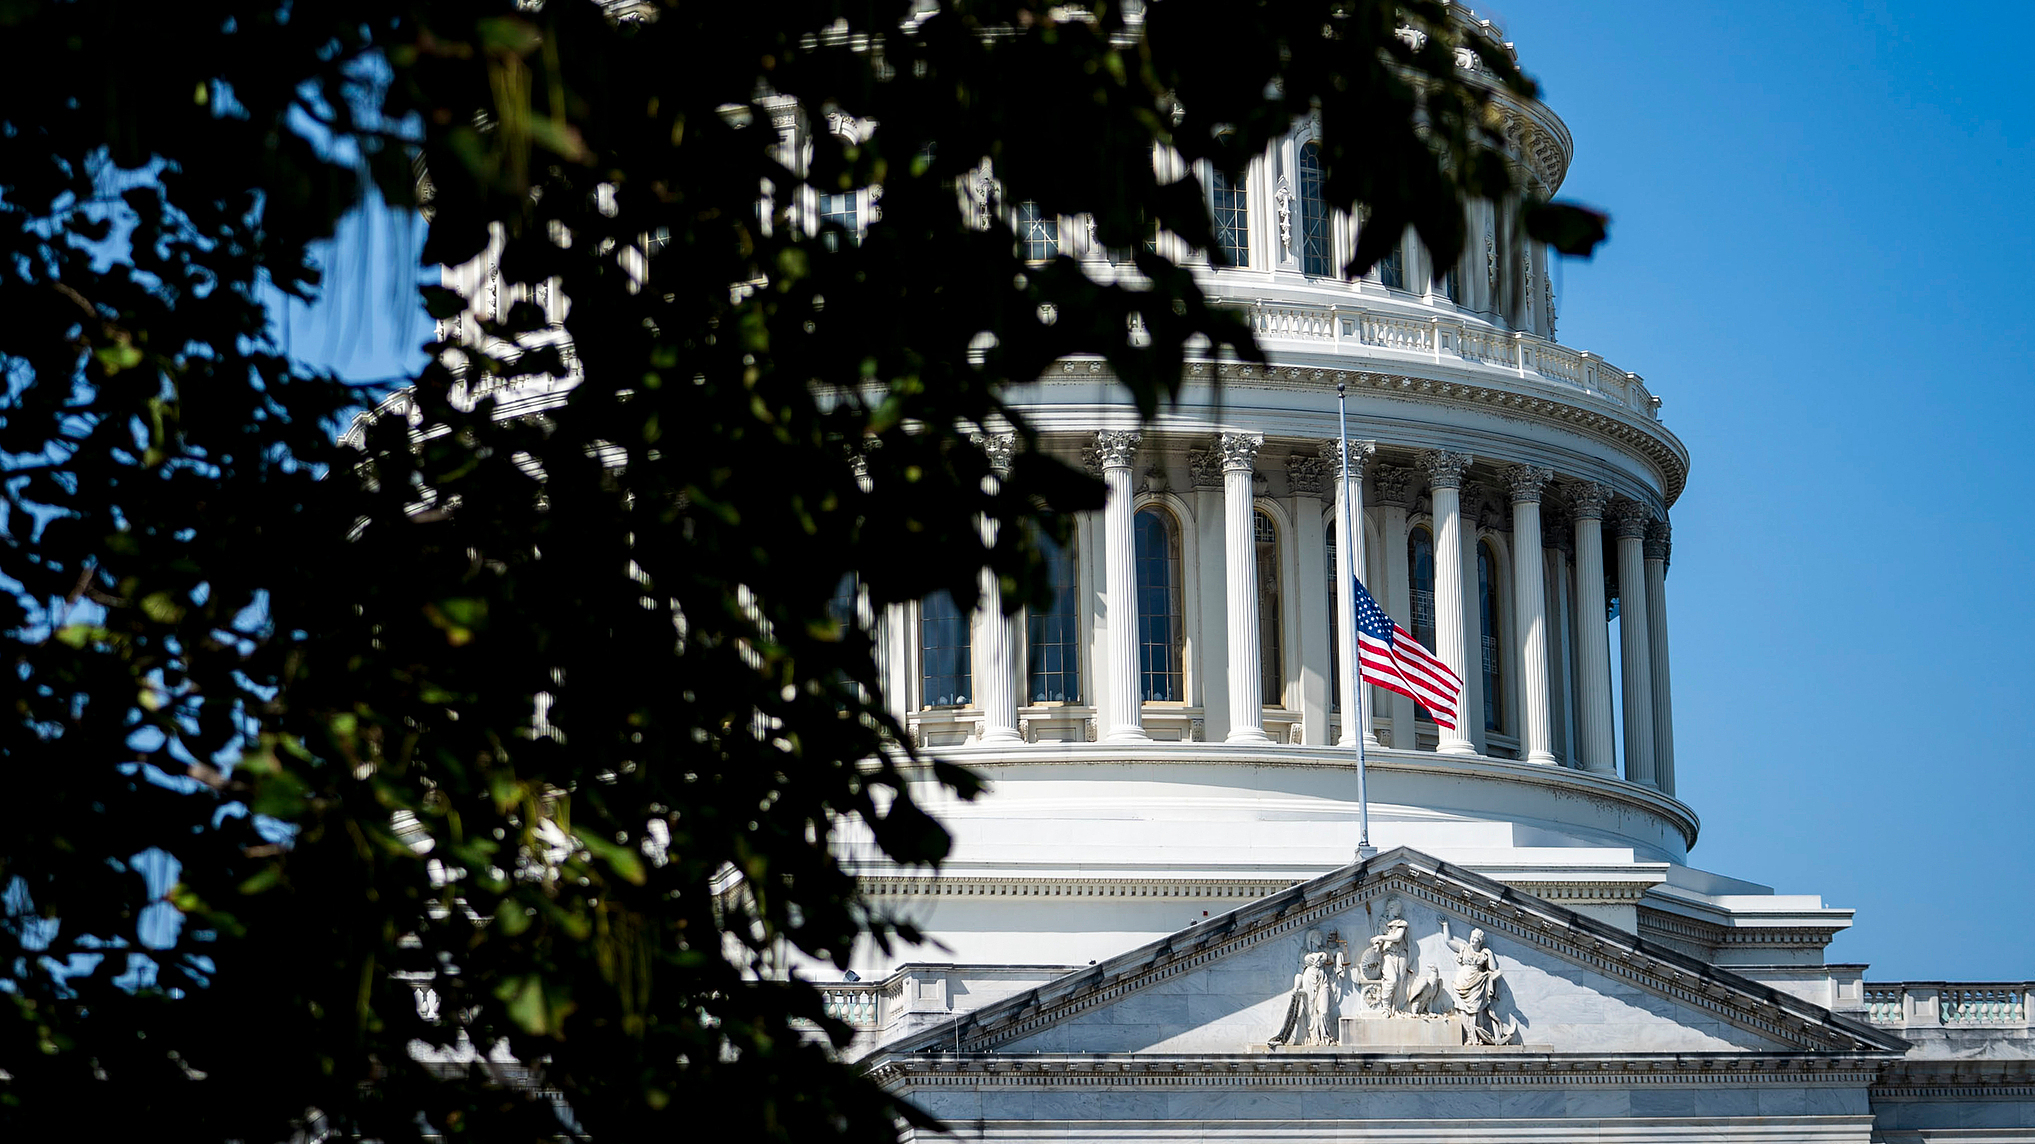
{"points": [[1565, 983]]}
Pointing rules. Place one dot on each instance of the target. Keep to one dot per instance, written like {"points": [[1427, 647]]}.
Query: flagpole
{"points": [[1352, 672]]}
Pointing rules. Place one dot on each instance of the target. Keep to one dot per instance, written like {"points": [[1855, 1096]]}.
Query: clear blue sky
{"points": [[1819, 259], [1820, 255]]}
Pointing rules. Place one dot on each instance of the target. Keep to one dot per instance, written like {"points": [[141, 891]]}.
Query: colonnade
{"points": [[1556, 615]]}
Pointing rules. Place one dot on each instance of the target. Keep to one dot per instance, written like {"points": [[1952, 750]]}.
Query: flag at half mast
{"points": [[1389, 656]]}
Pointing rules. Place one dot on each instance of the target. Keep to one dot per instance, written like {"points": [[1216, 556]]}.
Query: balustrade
{"points": [[1438, 337], [1950, 1004]]}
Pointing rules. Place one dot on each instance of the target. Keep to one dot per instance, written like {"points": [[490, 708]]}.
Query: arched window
{"points": [[1231, 207], [1420, 574], [1038, 233], [1314, 251], [1053, 633], [1161, 634], [1271, 667], [1489, 621], [945, 668]]}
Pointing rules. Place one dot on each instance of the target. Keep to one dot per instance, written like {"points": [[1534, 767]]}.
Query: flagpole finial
{"points": [[1339, 387]]}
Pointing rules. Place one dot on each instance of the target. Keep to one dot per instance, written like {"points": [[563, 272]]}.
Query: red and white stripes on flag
{"points": [[1389, 656]]}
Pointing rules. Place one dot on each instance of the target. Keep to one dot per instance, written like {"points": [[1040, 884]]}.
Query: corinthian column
{"points": [[1628, 523], [1529, 611], [1658, 540], [1445, 482], [1123, 697], [998, 673], [1349, 558], [1593, 634], [1240, 574], [1394, 488]]}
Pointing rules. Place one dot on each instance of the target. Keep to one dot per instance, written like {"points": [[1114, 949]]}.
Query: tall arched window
{"points": [[1231, 206], [1314, 251], [946, 670], [1053, 633], [1271, 667], [1420, 574], [1490, 623], [1161, 633]]}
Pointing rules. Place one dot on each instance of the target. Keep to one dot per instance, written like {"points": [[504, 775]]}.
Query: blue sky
{"points": [[1820, 247], [1819, 259]]}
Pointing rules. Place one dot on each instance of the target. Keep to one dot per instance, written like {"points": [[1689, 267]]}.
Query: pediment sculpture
{"points": [[1313, 1006], [1393, 998]]}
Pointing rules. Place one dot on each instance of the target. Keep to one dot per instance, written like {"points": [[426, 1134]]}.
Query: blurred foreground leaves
{"points": [[545, 708]]}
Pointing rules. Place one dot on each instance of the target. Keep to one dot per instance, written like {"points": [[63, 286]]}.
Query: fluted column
{"points": [[1349, 557], [996, 675], [1445, 481], [1593, 634], [1628, 524], [1394, 488], [1240, 574], [1529, 611], [1658, 540], [1124, 696]]}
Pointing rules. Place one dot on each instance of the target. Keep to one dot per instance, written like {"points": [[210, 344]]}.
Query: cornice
{"points": [[1471, 1068], [1602, 421], [985, 886]]}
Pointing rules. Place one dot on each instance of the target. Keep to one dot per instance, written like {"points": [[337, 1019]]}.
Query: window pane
{"points": [[1335, 633], [838, 210], [1039, 233], [1271, 666], [1314, 255], [1232, 219], [944, 665], [1392, 267], [1420, 566], [1053, 637], [1160, 631], [1487, 611]]}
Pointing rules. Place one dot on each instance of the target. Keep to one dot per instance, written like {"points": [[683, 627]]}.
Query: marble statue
{"points": [[1476, 981], [1383, 967], [1311, 1007]]}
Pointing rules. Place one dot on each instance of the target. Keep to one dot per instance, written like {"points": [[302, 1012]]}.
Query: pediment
{"points": [[1245, 982]]}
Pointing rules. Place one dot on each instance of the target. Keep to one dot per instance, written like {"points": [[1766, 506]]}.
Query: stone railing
{"points": [[855, 1003], [1357, 330], [1970, 1005]]}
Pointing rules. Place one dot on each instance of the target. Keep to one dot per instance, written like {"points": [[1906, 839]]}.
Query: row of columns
{"points": [[1642, 545]]}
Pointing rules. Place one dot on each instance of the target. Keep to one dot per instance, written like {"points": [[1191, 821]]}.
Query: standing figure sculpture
{"points": [[1311, 1008], [1476, 981]]}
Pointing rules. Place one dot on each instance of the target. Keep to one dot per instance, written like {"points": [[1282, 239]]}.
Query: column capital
{"points": [[1307, 476], [999, 447], [1628, 519], [1659, 540], [1240, 451], [1117, 447], [1527, 482], [1206, 465], [1395, 485], [1445, 468], [1361, 453], [1587, 500]]}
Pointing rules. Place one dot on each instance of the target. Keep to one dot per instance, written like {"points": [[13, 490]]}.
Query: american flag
{"points": [[1390, 657]]}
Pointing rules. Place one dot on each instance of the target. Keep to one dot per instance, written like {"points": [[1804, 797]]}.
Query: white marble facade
{"points": [[1151, 928]]}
